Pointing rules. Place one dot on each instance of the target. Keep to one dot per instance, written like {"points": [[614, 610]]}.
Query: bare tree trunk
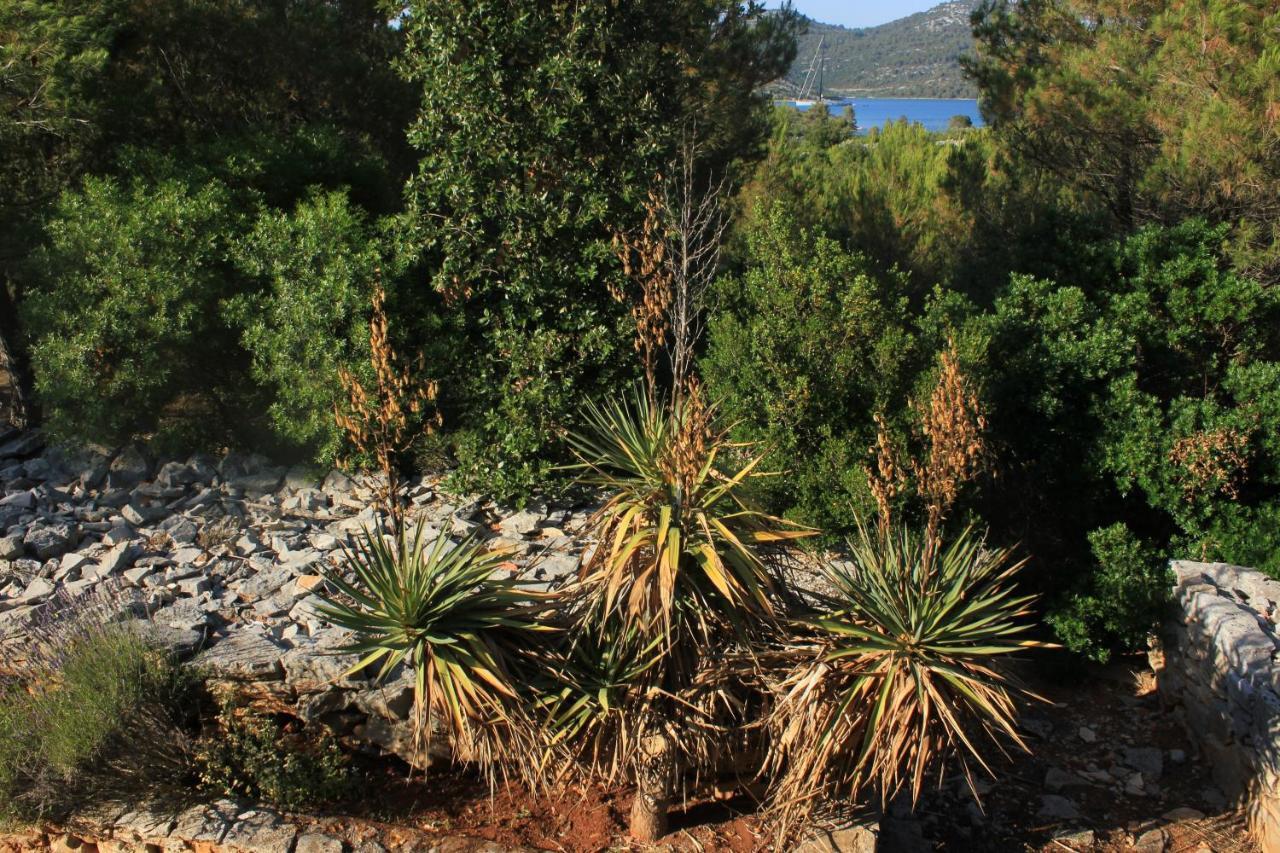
{"points": [[13, 378], [655, 777]]}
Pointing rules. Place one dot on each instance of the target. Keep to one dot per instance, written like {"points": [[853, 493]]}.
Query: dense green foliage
{"points": [[537, 147], [917, 56], [199, 198], [140, 325], [804, 377], [1120, 321], [146, 140], [251, 756], [1151, 111], [318, 264]]}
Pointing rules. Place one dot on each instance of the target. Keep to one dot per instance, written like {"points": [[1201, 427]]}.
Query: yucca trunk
{"points": [[655, 775]]}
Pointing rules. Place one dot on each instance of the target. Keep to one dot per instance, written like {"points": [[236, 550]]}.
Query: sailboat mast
{"points": [[822, 67]]}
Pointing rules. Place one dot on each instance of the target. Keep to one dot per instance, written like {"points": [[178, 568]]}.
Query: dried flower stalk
{"points": [[687, 453], [888, 479], [644, 259], [951, 425], [376, 421]]}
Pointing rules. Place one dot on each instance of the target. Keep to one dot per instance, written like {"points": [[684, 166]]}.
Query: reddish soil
{"points": [[582, 818], [1118, 704]]}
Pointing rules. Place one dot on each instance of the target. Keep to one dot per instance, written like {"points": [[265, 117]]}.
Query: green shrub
{"points": [[251, 756], [93, 710], [317, 266], [1137, 421], [540, 131], [1119, 602], [808, 345], [125, 315]]}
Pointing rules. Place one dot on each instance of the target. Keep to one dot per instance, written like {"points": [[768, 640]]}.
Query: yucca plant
{"points": [[675, 538], [901, 672], [447, 612], [599, 677], [678, 566]]}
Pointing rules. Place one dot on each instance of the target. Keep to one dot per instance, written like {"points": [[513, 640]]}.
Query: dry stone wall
{"points": [[1219, 668]]}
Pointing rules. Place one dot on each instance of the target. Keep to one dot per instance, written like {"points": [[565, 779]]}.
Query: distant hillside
{"points": [[913, 57]]}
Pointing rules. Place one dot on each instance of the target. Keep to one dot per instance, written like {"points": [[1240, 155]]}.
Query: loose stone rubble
{"points": [[224, 556], [1219, 670], [226, 826]]}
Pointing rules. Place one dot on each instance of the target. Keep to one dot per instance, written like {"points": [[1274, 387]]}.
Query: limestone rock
{"points": [[851, 839], [24, 445], [259, 831], [115, 560], [50, 540], [1151, 841], [19, 500], [264, 584], [205, 823], [38, 590], [258, 483], [1056, 779], [129, 468], [1076, 839], [11, 547], [522, 523], [315, 842], [1147, 760], [244, 655], [139, 515]]}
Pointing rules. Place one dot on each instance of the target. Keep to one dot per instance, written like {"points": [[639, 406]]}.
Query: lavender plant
{"points": [[86, 704]]}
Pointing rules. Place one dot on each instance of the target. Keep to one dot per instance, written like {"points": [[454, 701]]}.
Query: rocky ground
{"points": [[224, 553]]}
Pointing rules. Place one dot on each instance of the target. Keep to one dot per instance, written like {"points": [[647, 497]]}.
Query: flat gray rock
{"points": [[259, 483], [47, 541], [205, 823], [315, 842], [19, 500], [244, 655], [129, 468], [117, 559], [145, 823], [26, 444], [11, 547], [312, 668], [1146, 759], [522, 523], [265, 584], [259, 831]]}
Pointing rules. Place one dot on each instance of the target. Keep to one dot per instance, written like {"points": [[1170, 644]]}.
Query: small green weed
{"points": [[252, 756]]}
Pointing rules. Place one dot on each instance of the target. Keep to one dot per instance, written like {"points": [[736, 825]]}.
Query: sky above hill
{"points": [[858, 13]]}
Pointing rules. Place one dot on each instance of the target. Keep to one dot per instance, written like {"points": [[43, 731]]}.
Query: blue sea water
{"points": [[933, 113]]}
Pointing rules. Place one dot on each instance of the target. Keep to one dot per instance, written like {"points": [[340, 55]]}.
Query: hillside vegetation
{"points": [[913, 57], [198, 238]]}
